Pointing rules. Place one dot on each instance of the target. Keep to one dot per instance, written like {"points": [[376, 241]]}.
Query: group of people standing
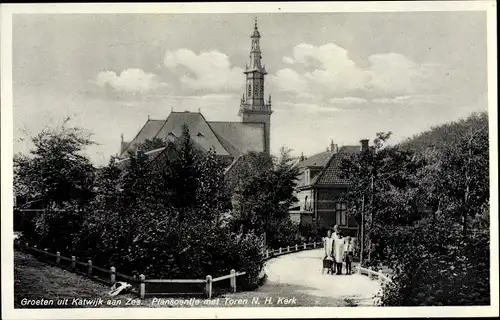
{"points": [[338, 250]]}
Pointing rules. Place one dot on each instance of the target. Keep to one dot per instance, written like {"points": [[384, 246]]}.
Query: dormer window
{"points": [[307, 177]]}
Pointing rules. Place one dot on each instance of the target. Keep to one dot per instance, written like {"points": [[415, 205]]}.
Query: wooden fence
{"points": [[269, 254], [373, 274], [140, 284]]}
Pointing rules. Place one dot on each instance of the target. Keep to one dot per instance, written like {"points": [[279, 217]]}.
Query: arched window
{"points": [[306, 205], [249, 90], [262, 91]]}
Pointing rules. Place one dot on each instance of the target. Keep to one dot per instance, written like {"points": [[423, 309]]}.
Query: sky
{"points": [[332, 76]]}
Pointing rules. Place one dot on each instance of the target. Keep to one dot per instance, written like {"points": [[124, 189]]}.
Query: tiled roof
{"points": [[317, 160], [239, 138], [331, 173]]}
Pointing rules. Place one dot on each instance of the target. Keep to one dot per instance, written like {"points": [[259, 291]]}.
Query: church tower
{"points": [[253, 108]]}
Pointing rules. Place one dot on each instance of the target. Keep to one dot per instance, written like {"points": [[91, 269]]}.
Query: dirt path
{"points": [[298, 275]]}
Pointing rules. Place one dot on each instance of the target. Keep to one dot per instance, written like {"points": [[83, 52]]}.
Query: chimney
{"points": [[364, 144]]}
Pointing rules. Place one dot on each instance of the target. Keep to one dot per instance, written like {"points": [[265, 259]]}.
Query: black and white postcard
{"points": [[247, 160]]}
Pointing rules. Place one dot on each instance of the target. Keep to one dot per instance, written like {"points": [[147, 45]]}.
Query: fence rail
{"points": [[111, 274], [373, 274], [195, 286]]}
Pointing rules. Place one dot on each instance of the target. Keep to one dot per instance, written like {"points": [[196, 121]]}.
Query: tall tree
{"points": [[55, 170]]}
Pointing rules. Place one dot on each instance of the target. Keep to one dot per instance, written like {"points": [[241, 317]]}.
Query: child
{"points": [[348, 255]]}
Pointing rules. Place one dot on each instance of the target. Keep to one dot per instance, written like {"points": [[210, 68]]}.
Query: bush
{"points": [[434, 265], [282, 233]]}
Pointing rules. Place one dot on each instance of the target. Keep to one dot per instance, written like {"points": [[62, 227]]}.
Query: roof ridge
{"points": [[164, 122], [137, 134]]}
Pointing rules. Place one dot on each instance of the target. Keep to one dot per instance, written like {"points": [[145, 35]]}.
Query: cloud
{"points": [[130, 81], [204, 71], [328, 71], [348, 100], [288, 80], [309, 107], [419, 99], [288, 60]]}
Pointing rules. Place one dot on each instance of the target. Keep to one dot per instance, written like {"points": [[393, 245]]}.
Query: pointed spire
{"points": [[122, 136]]}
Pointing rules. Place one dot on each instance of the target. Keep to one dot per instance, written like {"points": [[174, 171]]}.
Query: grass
{"points": [[37, 281]]}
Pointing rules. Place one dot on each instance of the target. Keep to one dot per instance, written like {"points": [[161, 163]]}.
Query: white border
{"points": [[157, 313]]}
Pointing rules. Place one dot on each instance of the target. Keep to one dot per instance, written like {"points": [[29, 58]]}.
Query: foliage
{"points": [[165, 223], [55, 170], [426, 214], [262, 189], [59, 179], [151, 144]]}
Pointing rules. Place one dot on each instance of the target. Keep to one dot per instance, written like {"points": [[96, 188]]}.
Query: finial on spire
{"points": [[148, 116], [199, 110], [255, 22], [171, 109], [121, 136]]}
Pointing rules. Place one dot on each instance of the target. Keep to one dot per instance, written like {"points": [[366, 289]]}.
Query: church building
{"points": [[230, 140]]}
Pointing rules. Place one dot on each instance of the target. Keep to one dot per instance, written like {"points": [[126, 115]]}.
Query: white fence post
{"points": [[305, 246], [280, 250], [208, 287], [370, 273], [314, 244], [89, 271], [287, 248], [58, 257], [73, 262], [113, 275], [267, 254], [296, 247], [142, 289], [233, 280]]}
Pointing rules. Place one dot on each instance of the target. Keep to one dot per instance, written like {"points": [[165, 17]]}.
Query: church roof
{"points": [[229, 139], [239, 138]]}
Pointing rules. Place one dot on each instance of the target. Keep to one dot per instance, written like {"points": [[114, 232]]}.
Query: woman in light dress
{"points": [[338, 249]]}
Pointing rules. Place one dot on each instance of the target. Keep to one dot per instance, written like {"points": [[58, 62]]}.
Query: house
{"points": [[230, 140], [320, 186]]}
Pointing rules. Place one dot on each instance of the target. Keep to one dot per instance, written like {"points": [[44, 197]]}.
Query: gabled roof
{"points": [[330, 175], [148, 131], [201, 133], [197, 124], [317, 160]]}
